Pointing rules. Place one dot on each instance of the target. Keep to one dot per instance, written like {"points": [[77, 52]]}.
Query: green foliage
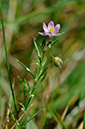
{"points": [[57, 117], [36, 86], [31, 118], [37, 43], [25, 68], [7, 61], [48, 85]]}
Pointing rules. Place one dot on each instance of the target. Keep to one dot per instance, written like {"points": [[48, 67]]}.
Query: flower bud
{"points": [[57, 62], [43, 43], [49, 43]]}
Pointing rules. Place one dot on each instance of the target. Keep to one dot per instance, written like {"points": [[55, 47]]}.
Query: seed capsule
{"points": [[57, 62]]}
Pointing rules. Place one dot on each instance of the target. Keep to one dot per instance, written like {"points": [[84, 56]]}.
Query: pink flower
{"points": [[51, 30]]}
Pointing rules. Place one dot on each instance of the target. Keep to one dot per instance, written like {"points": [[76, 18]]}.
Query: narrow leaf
{"points": [[42, 73], [37, 43], [24, 94], [22, 106], [25, 68], [35, 72], [23, 83], [37, 51], [31, 118], [31, 124], [53, 43], [39, 83], [28, 102], [28, 86], [21, 117], [12, 115]]}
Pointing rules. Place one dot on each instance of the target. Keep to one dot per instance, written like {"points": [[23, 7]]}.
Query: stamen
{"points": [[51, 29]]}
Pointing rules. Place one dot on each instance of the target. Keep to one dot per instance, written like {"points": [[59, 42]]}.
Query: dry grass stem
{"points": [[21, 116]]}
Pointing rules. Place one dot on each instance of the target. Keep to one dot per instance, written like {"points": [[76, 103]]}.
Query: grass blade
{"points": [[84, 121], [57, 117], [0, 102], [7, 61]]}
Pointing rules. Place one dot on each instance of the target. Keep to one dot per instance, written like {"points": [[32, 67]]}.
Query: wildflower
{"points": [[57, 62], [51, 30]]}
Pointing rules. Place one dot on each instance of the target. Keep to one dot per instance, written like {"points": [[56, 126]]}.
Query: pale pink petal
{"points": [[56, 30], [50, 23], [45, 27], [42, 33], [47, 33], [59, 34]]}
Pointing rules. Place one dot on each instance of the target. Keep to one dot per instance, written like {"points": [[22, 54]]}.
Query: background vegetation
{"points": [[62, 93]]}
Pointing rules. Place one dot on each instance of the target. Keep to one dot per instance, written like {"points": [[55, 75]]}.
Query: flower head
{"points": [[51, 30]]}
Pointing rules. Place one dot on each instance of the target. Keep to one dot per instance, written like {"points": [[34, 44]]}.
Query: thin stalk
{"points": [[7, 59], [50, 54], [84, 121], [21, 117]]}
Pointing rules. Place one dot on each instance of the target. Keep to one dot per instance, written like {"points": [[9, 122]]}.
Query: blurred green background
{"points": [[23, 20]]}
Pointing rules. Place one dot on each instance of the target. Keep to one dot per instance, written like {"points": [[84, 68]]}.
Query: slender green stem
{"points": [[84, 121], [7, 59]]}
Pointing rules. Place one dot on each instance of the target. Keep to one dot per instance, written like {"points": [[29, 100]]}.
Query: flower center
{"points": [[51, 29]]}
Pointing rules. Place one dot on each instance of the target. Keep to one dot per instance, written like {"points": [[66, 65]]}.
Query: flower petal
{"points": [[45, 27], [50, 23], [59, 34], [56, 30], [47, 33], [42, 33]]}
